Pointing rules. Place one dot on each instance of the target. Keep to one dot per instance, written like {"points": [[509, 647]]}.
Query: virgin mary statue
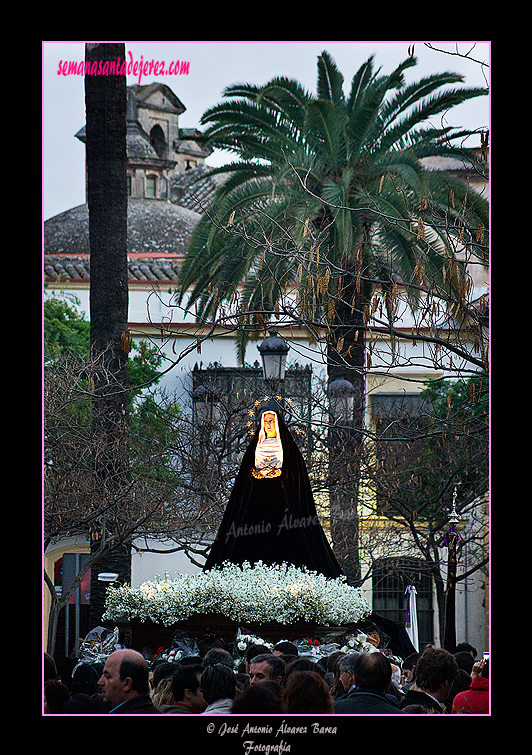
{"points": [[271, 515]]}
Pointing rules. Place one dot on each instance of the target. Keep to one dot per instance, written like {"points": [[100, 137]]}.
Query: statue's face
{"points": [[269, 425]]}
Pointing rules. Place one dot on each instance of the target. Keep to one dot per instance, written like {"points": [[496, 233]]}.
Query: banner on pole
{"points": [[411, 616]]}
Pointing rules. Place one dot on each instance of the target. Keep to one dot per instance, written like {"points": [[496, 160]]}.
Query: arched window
{"points": [[158, 141]]}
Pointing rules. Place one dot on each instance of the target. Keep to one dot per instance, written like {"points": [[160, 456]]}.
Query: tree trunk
{"points": [[449, 636], [105, 101], [53, 618], [346, 358]]}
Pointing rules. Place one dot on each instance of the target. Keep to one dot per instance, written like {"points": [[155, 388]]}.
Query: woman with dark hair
{"points": [[476, 699], [271, 515], [259, 698], [306, 692], [303, 664], [81, 704], [218, 686], [56, 694]]}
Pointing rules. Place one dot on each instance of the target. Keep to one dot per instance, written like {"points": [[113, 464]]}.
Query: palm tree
{"points": [[330, 191], [105, 99], [328, 195]]}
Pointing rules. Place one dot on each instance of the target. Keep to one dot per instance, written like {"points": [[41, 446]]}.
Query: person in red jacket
{"points": [[476, 698]]}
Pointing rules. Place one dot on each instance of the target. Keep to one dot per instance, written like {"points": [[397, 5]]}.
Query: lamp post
{"points": [[343, 473], [205, 402], [273, 351], [341, 399], [451, 539]]}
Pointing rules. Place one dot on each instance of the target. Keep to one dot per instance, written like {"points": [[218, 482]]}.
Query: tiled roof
{"points": [[194, 189], [156, 268], [153, 226]]}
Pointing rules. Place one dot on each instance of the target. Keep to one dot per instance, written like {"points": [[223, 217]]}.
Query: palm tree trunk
{"points": [[346, 358], [105, 100]]}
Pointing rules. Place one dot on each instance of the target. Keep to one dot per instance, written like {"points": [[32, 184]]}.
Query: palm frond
{"points": [[325, 133], [330, 81], [360, 84], [286, 96], [423, 111]]}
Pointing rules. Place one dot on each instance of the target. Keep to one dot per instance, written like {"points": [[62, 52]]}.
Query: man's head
{"points": [[266, 667], [218, 655], [435, 672], [373, 671], [409, 664], [218, 682], [346, 667], [252, 652], [186, 686], [124, 677], [464, 660], [285, 648], [466, 648]]}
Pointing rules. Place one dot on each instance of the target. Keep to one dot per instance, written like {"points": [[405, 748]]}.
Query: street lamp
{"points": [[451, 539], [205, 402], [341, 399], [273, 351]]}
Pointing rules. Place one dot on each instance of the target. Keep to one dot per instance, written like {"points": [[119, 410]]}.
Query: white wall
{"points": [[148, 566]]}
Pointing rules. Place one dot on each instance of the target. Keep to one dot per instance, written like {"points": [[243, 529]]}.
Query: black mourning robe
{"points": [[273, 520]]}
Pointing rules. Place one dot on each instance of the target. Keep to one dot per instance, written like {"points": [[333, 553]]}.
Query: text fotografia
{"points": [[119, 67], [284, 729]]}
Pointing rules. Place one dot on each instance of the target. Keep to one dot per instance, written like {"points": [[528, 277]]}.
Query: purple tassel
{"points": [[452, 528]]}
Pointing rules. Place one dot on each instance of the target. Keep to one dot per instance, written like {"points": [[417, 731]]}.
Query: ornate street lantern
{"points": [[273, 351], [206, 404], [341, 399], [451, 541]]}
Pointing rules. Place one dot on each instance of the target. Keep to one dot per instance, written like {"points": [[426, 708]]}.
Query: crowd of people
{"points": [[273, 681]]}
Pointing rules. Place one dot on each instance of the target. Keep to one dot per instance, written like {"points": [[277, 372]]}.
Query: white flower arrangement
{"points": [[244, 641], [281, 593], [173, 655], [358, 643]]}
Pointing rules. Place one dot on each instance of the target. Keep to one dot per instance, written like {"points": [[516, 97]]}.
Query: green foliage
{"points": [[428, 455], [336, 175], [65, 328], [456, 452], [468, 399], [67, 333], [152, 426], [144, 366]]}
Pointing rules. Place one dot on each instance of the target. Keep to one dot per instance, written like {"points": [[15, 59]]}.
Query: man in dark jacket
{"points": [[372, 676], [433, 678], [125, 683]]}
